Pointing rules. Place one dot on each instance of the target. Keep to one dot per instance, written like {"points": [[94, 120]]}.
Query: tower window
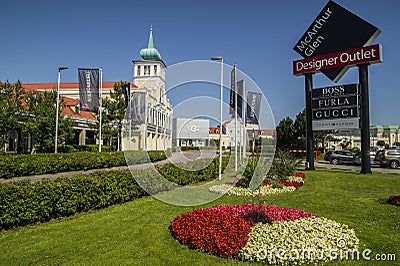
{"points": [[155, 70], [138, 71], [147, 70]]}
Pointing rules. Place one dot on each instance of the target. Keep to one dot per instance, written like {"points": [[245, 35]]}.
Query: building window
{"points": [[155, 70], [147, 70], [138, 71]]}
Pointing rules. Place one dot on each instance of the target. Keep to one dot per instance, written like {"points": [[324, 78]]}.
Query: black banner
{"points": [[335, 29], [89, 87], [232, 92], [240, 88], [253, 107], [126, 90], [138, 108]]}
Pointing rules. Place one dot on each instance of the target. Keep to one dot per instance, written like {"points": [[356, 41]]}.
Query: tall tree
{"points": [[113, 113], [285, 134], [12, 112], [42, 122]]}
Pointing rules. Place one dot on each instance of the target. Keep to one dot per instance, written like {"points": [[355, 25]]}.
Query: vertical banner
{"points": [[253, 107], [126, 91], [138, 103], [232, 94], [240, 88], [89, 89]]}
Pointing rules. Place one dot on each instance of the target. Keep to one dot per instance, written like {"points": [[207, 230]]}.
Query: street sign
{"points": [[369, 54], [335, 29]]}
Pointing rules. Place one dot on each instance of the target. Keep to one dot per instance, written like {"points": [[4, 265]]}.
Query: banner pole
{"points": [[100, 106], [236, 141], [244, 121]]}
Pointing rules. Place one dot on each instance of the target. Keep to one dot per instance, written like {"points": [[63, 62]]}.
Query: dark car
{"points": [[339, 157]]}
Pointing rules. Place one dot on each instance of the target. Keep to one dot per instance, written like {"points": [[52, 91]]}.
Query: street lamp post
{"points": [[58, 105], [219, 58]]}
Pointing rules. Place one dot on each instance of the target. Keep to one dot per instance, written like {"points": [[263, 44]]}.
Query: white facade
{"points": [[191, 132]]}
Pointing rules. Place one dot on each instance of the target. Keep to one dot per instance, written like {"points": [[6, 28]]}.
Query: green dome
{"points": [[150, 53]]}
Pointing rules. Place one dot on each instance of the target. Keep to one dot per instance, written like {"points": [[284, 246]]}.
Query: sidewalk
{"points": [[176, 157]]}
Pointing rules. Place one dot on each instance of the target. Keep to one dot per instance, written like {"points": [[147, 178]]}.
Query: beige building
{"points": [[149, 78]]}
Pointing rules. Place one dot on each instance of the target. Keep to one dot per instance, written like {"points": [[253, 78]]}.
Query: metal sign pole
{"points": [[309, 132], [365, 126]]}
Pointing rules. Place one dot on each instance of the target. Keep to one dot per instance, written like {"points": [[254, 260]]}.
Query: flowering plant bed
{"points": [[269, 186], [263, 233], [395, 200]]}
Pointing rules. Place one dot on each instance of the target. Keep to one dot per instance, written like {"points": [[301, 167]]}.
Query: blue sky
{"points": [[39, 36]]}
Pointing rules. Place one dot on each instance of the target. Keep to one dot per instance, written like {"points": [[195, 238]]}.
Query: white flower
{"points": [[303, 240], [238, 191]]}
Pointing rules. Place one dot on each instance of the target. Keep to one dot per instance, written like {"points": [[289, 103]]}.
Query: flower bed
{"points": [[268, 186], [264, 233], [239, 191], [395, 200]]}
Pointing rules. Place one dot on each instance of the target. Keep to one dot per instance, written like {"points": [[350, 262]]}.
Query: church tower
{"points": [[149, 77]]}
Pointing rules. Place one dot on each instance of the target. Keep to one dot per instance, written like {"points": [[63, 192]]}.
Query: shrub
{"points": [[284, 165], [24, 202], [37, 164]]}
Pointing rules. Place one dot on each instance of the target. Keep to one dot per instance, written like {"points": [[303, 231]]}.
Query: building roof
{"points": [[215, 130], [71, 105], [266, 132], [64, 85], [150, 53]]}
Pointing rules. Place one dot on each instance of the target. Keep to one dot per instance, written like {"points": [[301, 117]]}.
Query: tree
{"points": [[41, 124], [292, 134], [381, 143], [300, 130], [12, 111], [113, 113], [285, 134]]}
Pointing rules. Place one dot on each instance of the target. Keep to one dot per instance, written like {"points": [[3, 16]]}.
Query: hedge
{"points": [[23, 202], [37, 164]]}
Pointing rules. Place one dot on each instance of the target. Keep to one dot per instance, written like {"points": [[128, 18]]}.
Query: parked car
{"points": [[388, 158], [339, 157], [357, 157]]}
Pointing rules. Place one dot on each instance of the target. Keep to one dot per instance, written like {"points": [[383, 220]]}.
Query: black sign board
{"points": [[334, 113], [333, 91], [335, 29], [335, 102]]}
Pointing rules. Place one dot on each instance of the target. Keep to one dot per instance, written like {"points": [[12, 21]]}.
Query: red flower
{"points": [[291, 183], [223, 230], [300, 174]]}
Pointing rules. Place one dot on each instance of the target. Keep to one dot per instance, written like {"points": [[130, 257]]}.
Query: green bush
{"points": [[284, 165], [37, 164], [24, 202]]}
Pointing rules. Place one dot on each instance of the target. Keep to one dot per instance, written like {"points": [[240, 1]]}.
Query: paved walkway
{"points": [[175, 158]]}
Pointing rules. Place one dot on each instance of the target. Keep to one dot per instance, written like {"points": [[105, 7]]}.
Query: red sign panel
{"points": [[369, 54]]}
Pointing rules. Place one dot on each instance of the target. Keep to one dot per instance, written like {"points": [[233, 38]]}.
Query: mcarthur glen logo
{"points": [[312, 39], [335, 29]]}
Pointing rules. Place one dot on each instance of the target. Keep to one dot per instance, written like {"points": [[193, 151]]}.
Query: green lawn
{"points": [[136, 233]]}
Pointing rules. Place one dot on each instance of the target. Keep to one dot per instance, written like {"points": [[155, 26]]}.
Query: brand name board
{"points": [[336, 102], [370, 54]]}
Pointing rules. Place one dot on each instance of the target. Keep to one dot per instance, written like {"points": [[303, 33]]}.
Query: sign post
{"points": [[309, 130], [365, 127], [335, 41]]}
